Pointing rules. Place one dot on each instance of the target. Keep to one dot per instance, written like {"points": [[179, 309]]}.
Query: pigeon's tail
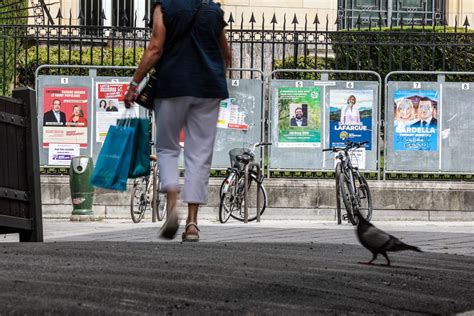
{"points": [[414, 248], [402, 246]]}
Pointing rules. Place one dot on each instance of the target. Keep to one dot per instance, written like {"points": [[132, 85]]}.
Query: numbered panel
{"points": [[74, 114], [456, 117], [64, 118], [412, 127], [240, 120]]}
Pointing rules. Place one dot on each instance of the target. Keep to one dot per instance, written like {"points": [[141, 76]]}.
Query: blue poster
{"points": [[350, 117], [415, 120]]}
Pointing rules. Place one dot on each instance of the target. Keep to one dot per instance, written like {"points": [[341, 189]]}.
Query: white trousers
{"points": [[198, 116]]}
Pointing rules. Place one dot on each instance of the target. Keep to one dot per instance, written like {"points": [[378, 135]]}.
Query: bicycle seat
{"points": [[245, 159], [153, 157]]}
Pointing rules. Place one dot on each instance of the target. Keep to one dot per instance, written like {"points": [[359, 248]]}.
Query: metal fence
{"points": [[266, 43]]}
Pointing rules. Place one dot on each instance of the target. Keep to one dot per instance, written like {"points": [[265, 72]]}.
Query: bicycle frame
{"points": [[350, 172], [349, 168]]}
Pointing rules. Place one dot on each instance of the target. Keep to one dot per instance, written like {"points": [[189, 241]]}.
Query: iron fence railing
{"points": [[259, 43]]}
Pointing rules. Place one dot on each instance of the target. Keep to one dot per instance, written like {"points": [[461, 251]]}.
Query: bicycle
{"points": [[351, 186], [232, 191], [146, 193]]}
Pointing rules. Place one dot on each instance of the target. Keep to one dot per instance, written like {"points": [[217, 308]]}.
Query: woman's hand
{"points": [[130, 95]]}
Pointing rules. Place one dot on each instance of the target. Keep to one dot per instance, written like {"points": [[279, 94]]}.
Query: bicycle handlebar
{"points": [[259, 144], [349, 145]]}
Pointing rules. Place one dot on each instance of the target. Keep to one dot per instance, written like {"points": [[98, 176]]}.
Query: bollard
{"points": [[82, 191]]}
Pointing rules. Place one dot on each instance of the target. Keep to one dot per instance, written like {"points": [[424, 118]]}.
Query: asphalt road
{"points": [[132, 278]]}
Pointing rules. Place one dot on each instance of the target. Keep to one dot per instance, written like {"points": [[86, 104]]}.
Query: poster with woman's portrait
{"points": [[299, 118], [415, 120], [65, 116], [350, 117]]}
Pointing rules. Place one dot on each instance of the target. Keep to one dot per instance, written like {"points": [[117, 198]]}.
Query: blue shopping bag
{"points": [[140, 161], [113, 163]]}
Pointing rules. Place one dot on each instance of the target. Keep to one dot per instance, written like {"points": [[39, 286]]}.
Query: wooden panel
{"points": [[4, 204], [19, 168]]}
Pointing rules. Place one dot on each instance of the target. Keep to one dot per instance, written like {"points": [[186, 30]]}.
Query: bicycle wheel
{"points": [[227, 200], [365, 198], [347, 195], [154, 198], [239, 213], [338, 194], [140, 200], [161, 202]]}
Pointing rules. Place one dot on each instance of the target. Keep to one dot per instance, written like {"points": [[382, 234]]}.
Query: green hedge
{"points": [[407, 48], [96, 56], [388, 49], [308, 63]]}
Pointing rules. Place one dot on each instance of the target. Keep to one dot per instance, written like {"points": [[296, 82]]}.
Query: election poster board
{"points": [[299, 117], [110, 106], [416, 120], [65, 116], [350, 117]]}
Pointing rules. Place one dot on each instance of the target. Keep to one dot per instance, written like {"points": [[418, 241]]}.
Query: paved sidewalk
{"points": [[267, 268], [438, 237]]}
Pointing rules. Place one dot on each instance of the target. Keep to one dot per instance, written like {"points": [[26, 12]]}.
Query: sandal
{"points": [[190, 237]]}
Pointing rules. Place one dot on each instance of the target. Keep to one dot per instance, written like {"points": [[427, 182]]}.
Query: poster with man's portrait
{"points": [[415, 120], [299, 118], [350, 117], [65, 116]]}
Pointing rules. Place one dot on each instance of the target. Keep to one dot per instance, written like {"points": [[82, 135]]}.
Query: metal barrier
{"points": [[307, 115], [241, 117], [86, 107], [98, 98], [428, 123]]}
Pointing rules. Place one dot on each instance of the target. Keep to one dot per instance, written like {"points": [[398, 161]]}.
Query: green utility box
{"points": [[82, 191]]}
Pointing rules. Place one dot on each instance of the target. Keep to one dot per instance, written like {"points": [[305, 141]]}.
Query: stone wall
{"points": [[297, 200]]}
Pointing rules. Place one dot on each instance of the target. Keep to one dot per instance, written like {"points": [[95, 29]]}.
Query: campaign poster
{"points": [[299, 117], [416, 120], [65, 116], [350, 117], [109, 106], [232, 115]]}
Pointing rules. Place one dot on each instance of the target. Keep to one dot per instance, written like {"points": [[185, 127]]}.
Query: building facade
{"points": [[332, 14]]}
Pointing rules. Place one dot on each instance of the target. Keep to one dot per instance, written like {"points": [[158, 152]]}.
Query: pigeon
{"points": [[377, 241]]}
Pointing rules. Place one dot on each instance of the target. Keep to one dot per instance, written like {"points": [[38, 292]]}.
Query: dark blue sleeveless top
{"points": [[192, 63]]}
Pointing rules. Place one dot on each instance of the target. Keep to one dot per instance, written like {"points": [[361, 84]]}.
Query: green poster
{"points": [[299, 117]]}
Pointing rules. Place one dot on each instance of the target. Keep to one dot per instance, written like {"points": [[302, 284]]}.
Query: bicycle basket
{"points": [[233, 153]]}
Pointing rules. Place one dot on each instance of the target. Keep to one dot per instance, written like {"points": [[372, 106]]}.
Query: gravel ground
{"points": [[91, 278]]}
